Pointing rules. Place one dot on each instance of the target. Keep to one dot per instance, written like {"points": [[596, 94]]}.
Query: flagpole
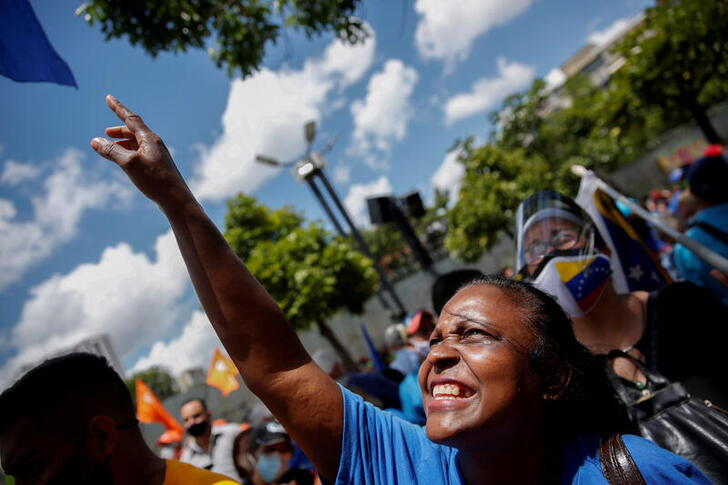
{"points": [[703, 252]]}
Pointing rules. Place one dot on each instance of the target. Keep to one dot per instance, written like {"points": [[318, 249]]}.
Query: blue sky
{"points": [[82, 253]]}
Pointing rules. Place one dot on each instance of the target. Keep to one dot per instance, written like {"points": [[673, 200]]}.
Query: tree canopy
{"points": [[159, 380], [674, 68], [675, 62], [311, 273], [236, 32]]}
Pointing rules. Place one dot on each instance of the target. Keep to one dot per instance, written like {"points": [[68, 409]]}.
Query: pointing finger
{"points": [[110, 151], [132, 120]]}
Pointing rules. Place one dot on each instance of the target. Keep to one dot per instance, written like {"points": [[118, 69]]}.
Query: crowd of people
{"points": [[532, 377]]}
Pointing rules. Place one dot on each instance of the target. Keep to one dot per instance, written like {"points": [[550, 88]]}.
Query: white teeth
{"points": [[446, 391]]}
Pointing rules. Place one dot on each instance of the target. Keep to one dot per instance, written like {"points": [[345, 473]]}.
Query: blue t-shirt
{"points": [[380, 449], [692, 268]]}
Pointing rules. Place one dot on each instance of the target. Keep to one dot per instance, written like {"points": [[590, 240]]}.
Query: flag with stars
{"points": [[635, 266], [222, 373]]}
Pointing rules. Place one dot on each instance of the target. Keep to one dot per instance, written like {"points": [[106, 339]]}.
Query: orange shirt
{"points": [[179, 473]]}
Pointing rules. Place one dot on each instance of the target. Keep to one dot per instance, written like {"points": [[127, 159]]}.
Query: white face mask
{"points": [[577, 282]]}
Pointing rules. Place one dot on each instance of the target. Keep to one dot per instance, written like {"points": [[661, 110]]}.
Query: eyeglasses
{"points": [[562, 239]]}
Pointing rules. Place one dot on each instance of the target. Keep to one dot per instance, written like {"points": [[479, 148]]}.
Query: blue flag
{"points": [[377, 360], [25, 53], [635, 265]]}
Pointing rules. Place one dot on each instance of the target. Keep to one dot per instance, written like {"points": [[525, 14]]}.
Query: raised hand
{"points": [[143, 156]]}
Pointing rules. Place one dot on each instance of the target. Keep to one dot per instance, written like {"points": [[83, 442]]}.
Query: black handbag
{"points": [[667, 414]]}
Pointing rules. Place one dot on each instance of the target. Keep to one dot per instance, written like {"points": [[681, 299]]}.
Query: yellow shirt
{"points": [[179, 473]]}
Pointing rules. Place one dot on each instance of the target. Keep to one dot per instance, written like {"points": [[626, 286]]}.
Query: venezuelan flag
{"points": [[585, 279]]}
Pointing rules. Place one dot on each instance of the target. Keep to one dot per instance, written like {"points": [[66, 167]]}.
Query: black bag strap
{"points": [[656, 379], [617, 464], [711, 229]]}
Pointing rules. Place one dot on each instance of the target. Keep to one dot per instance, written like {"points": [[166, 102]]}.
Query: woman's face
{"points": [[548, 235], [476, 381]]}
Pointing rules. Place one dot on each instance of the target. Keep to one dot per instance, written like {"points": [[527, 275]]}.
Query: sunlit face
{"points": [[476, 381], [548, 235]]}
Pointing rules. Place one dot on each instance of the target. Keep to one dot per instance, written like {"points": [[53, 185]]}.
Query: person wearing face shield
{"points": [[208, 446], [677, 330]]}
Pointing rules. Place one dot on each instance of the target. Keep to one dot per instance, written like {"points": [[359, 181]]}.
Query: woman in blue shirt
{"points": [[498, 384]]}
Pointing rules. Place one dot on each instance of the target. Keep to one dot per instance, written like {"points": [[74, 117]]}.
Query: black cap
{"points": [[708, 176], [267, 434]]}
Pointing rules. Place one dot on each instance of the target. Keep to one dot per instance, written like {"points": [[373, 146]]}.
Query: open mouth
{"points": [[452, 391]]}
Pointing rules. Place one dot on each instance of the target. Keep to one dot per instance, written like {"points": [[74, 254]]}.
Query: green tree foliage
{"points": [[159, 380], [308, 271], [676, 64], [240, 29], [388, 246]]}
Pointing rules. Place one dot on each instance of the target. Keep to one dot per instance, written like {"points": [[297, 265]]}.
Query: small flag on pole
{"points": [[151, 410], [222, 373], [26, 55]]}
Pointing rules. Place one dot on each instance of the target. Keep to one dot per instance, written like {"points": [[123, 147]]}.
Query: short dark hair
{"points": [[447, 284], [195, 399], [587, 403], [84, 381]]}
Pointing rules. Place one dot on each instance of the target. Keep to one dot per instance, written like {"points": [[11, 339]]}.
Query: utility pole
{"points": [[309, 169]]}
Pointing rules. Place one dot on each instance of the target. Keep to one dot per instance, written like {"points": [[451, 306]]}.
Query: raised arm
{"points": [[251, 326]]}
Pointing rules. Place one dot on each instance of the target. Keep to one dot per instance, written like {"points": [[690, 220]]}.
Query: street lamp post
{"points": [[307, 170]]}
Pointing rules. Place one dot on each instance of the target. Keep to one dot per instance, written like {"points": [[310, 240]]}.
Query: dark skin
{"points": [[33, 451], [482, 342], [306, 401], [251, 326]]}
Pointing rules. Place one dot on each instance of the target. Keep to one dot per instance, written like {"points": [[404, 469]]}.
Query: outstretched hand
{"points": [[143, 156]]}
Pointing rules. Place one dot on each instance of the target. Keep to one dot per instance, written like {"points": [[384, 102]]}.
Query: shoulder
{"points": [[378, 447], [178, 473], [658, 465]]}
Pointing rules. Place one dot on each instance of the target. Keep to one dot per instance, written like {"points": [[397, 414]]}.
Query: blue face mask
{"points": [[269, 466]]}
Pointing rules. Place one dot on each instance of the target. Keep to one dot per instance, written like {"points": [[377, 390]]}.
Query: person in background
{"points": [[560, 251], [170, 444], [447, 284], [708, 197], [511, 396], [71, 420], [208, 446], [419, 328], [273, 453]]}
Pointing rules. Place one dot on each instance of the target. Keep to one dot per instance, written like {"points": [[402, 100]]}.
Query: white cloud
{"points": [[555, 79], [14, 173], [356, 199], [512, 77], [265, 114], [382, 117], [611, 32], [192, 348], [125, 294], [69, 192], [342, 174], [447, 29], [449, 174]]}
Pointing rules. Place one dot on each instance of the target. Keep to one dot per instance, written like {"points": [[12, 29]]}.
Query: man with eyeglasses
{"points": [[71, 420]]}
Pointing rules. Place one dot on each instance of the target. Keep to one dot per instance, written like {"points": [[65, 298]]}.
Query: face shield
{"points": [[556, 249]]}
